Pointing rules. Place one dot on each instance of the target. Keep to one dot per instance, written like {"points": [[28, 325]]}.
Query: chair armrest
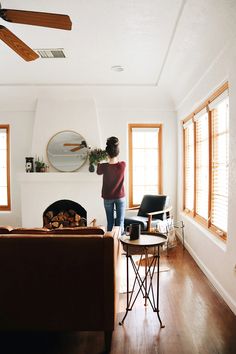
{"points": [[160, 211], [149, 223], [133, 208]]}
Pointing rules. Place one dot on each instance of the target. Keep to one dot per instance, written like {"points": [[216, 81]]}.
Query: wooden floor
{"points": [[196, 318]]}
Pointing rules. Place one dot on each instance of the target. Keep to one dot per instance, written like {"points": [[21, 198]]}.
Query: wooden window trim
{"points": [[200, 219], [184, 167], [210, 168], [195, 166], [143, 125], [219, 233], [190, 116], [206, 223], [8, 206], [185, 209], [210, 99]]}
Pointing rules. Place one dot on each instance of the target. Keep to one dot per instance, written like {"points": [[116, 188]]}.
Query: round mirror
{"points": [[67, 151]]}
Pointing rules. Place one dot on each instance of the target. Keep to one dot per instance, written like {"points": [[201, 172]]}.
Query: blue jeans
{"points": [[118, 206]]}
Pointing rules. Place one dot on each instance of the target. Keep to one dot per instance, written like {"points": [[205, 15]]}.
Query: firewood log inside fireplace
{"points": [[62, 219]]}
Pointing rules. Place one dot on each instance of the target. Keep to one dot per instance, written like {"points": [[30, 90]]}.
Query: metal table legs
{"points": [[145, 285]]}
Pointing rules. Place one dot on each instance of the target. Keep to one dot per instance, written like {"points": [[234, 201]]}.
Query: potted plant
{"points": [[40, 165], [96, 156]]}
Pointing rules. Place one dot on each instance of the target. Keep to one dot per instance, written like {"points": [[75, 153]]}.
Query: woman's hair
{"points": [[112, 147]]}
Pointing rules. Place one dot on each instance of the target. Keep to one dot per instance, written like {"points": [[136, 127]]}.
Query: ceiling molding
{"points": [[198, 82], [180, 13], [75, 85]]}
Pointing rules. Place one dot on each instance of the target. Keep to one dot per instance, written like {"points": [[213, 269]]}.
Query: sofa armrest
{"points": [[111, 275], [5, 229]]}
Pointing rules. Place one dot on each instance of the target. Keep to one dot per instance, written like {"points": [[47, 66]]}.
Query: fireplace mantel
{"points": [[59, 177], [39, 190]]}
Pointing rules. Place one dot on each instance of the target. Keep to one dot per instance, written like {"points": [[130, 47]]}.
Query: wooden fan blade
{"points": [[17, 45], [71, 144], [76, 149], [35, 18]]}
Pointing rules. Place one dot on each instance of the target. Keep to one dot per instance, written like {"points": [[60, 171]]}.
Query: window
{"points": [[145, 175], [202, 167], [220, 164], [189, 166], [206, 162], [4, 168]]}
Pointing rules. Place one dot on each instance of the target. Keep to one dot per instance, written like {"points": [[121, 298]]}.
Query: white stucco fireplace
{"points": [[39, 190]]}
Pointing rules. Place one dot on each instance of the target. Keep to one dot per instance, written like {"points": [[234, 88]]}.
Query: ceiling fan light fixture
{"points": [[117, 68]]}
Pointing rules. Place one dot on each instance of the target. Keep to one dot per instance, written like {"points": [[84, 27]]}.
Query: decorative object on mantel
{"points": [[40, 165], [29, 164], [67, 151], [96, 156]]}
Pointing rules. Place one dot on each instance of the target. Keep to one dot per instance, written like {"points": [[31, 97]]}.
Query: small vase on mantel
{"points": [[91, 168], [40, 165]]}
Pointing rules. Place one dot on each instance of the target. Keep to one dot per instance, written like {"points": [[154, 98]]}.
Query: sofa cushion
{"points": [[86, 230], [33, 230]]}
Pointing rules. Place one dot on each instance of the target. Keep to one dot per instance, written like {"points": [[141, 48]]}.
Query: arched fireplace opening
{"points": [[64, 213]]}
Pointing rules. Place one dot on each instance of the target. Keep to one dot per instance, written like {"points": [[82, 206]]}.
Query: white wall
{"points": [[61, 113], [24, 107], [21, 128], [216, 258]]}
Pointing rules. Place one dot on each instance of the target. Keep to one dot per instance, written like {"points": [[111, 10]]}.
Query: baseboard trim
{"points": [[223, 293]]}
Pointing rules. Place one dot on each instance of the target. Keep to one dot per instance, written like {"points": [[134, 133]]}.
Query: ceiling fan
{"points": [[33, 18]]}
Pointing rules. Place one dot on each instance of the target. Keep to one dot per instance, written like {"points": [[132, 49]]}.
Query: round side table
{"points": [[145, 245]]}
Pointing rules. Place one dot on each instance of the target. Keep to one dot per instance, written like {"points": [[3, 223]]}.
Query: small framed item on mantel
{"points": [[29, 164]]}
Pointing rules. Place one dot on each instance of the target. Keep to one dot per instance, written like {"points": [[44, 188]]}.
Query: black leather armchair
{"points": [[152, 209]]}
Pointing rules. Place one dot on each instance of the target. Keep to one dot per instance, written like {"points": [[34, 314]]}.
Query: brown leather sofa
{"points": [[62, 280]]}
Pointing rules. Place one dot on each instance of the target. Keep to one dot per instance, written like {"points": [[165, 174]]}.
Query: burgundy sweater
{"points": [[113, 179]]}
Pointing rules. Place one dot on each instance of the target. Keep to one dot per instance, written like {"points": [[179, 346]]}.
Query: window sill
{"points": [[211, 236]]}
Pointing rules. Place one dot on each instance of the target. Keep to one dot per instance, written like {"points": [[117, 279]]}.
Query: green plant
{"points": [[39, 164], [96, 156]]}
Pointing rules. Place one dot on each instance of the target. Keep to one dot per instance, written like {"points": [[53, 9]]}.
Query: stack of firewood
{"points": [[68, 218]]}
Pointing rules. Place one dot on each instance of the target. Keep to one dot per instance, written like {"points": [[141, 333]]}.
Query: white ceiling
{"points": [[160, 43]]}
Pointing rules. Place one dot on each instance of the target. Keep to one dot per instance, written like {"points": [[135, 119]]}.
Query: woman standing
{"points": [[113, 191]]}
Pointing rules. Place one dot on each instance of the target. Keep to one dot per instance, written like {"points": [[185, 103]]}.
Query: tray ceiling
{"points": [[158, 43]]}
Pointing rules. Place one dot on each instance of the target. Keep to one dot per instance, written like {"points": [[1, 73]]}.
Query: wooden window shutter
{"points": [[220, 165], [189, 166], [202, 164]]}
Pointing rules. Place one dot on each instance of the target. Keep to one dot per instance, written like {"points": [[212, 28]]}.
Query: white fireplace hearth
{"points": [[39, 190]]}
